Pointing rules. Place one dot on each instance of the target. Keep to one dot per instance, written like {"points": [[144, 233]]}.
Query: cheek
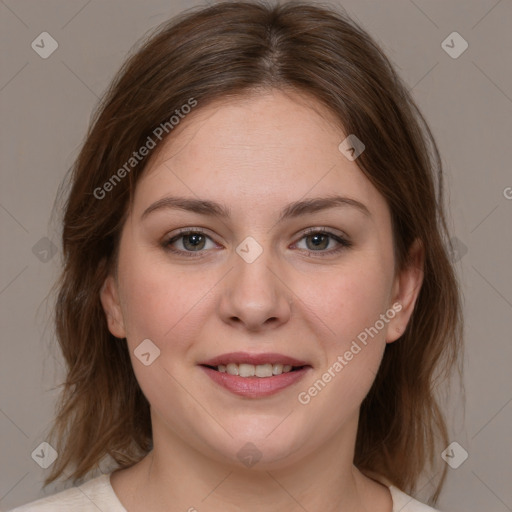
{"points": [[351, 307], [348, 300], [163, 303], [351, 304]]}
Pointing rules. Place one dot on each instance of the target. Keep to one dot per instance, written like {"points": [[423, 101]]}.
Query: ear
{"points": [[406, 288], [109, 297]]}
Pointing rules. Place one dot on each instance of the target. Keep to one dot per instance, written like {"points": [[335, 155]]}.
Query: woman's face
{"points": [[254, 286]]}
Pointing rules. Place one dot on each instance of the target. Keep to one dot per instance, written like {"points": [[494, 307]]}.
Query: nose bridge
{"points": [[255, 292]]}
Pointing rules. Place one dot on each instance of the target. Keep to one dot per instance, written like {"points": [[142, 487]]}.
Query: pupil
{"points": [[318, 240], [194, 239]]}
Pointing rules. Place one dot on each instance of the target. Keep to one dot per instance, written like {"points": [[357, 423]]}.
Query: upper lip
{"points": [[255, 359]]}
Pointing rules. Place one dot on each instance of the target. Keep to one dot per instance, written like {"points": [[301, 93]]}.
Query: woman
{"points": [[257, 303]]}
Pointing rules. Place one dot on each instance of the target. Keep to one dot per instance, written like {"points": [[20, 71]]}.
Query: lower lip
{"points": [[255, 387]]}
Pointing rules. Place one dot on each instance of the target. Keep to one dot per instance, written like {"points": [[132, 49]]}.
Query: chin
{"points": [[261, 451]]}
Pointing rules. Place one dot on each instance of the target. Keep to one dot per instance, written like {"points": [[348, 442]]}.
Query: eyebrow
{"points": [[292, 210]]}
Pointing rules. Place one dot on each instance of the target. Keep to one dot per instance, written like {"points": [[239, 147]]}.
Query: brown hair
{"points": [[223, 51]]}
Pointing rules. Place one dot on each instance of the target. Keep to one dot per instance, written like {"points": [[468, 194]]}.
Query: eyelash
{"points": [[344, 243]]}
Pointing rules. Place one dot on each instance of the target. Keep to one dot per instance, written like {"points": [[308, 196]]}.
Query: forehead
{"points": [[265, 148]]}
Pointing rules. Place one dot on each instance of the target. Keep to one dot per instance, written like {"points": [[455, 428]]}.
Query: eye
{"points": [[189, 241], [193, 242], [318, 239]]}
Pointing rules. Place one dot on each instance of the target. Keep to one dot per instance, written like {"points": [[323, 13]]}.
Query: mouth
{"points": [[255, 375]]}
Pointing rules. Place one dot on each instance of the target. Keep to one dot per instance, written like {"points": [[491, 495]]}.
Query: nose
{"points": [[255, 296]]}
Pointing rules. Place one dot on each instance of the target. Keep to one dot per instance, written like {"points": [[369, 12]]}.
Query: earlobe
{"points": [[407, 287], [109, 297]]}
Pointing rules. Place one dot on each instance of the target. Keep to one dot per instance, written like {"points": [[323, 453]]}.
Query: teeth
{"points": [[263, 370], [277, 369], [232, 369], [246, 370], [251, 370]]}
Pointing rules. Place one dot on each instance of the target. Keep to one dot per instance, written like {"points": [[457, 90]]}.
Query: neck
{"points": [[177, 477]]}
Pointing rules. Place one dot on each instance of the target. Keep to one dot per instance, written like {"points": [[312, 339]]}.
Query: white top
{"points": [[98, 494]]}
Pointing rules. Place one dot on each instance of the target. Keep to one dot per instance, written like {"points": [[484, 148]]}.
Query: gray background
{"points": [[45, 110]]}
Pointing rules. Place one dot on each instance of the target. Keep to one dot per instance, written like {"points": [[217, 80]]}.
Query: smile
{"points": [[255, 375]]}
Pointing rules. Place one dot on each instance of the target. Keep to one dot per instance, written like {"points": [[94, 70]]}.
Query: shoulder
{"points": [[404, 503], [94, 495]]}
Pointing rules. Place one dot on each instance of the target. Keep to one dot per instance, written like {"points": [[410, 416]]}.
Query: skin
{"points": [[255, 155]]}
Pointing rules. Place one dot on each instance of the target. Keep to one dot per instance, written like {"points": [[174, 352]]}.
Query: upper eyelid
{"points": [[333, 231], [326, 229]]}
